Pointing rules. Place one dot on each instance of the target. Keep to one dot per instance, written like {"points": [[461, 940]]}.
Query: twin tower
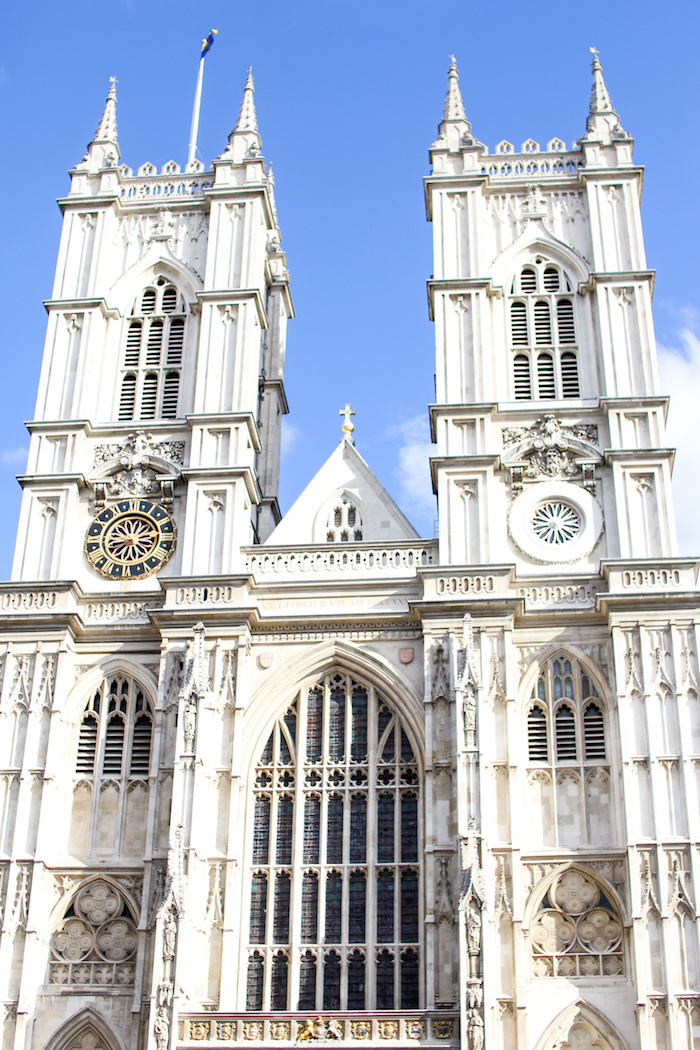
{"points": [[275, 780]]}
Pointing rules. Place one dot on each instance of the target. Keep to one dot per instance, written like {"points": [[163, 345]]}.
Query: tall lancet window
{"points": [[335, 876], [543, 341], [152, 356], [570, 791]]}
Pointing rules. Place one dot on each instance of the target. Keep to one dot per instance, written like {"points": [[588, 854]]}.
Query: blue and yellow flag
{"points": [[206, 44]]}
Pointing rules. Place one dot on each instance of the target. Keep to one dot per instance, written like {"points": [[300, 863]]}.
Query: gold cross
{"points": [[347, 427]]}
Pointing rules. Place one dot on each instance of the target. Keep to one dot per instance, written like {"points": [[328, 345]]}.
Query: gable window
{"points": [[153, 355], [543, 334], [344, 523], [335, 876]]}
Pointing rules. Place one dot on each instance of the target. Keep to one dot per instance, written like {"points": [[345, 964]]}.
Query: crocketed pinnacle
{"points": [[247, 120], [107, 128], [600, 99], [454, 107]]}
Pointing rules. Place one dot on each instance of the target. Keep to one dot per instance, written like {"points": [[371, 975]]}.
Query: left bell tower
{"points": [[156, 436]]}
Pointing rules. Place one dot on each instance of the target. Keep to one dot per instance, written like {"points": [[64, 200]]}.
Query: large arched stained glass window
{"points": [[335, 876]]}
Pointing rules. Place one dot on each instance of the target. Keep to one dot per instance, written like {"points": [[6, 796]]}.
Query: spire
{"points": [[454, 129], [603, 122], [454, 107], [244, 140], [247, 120], [103, 149]]}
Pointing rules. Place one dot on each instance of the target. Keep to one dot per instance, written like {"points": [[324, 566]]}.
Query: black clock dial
{"points": [[131, 539]]}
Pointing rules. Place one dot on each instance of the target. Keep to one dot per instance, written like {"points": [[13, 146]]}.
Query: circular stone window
{"points": [[555, 521]]}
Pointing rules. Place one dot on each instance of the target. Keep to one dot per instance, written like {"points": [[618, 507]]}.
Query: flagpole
{"points": [[194, 129]]}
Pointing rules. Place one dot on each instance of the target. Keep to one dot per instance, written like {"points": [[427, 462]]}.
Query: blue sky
{"points": [[348, 97]]}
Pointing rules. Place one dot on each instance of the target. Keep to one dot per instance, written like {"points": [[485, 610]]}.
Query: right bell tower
{"points": [[548, 418]]}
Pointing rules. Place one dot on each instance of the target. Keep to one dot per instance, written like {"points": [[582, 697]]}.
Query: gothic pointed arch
{"points": [[580, 1025], [271, 700], [86, 1030], [335, 827], [539, 240]]}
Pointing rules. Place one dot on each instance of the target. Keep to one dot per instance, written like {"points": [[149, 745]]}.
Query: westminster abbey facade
{"points": [[313, 779]]}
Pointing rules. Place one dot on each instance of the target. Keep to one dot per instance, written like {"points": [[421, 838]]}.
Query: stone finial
{"points": [[103, 149], [603, 123], [247, 121], [454, 131], [348, 426]]}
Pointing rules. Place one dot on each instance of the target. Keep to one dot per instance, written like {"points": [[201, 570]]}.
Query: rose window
{"points": [[556, 522], [577, 931], [96, 942]]}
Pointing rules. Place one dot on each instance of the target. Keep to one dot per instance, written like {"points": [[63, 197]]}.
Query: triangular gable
{"points": [[344, 476]]}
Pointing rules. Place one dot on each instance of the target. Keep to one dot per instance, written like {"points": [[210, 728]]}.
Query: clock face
{"points": [[131, 539]]}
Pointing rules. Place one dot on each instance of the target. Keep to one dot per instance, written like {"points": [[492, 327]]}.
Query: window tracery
{"points": [[153, 354], [569, 774], [577, 930], [336, 829], [115, 732], [543, 334], [95, 943]]}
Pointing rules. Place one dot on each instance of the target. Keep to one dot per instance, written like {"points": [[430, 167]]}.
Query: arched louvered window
{"points": [[116, 731], [171, 390], [127, 398], [521, 371], [565, 728], [87, 744], [338, 763], [569, 375], [537, 735], [528, 280], [543, 326], [565, 321], [154, 347], [518, 324], [541, 316], [565, 704], [149, 396], [545, 377], [594, 732]]}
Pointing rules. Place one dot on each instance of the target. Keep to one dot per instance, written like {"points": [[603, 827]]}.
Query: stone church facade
{"points": [[314, 779]]}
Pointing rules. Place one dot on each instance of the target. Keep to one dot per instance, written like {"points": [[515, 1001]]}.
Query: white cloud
{"points": [[413, 473], [679, 368], [14, 457], [290, 436]]}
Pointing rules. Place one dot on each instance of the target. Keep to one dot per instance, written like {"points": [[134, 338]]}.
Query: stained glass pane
{"points": [[359, 724], [285, 817], [389, 753], [254, 991], [409, 827], [314, 726], [385, 907], [409, 907], [358, 829], [266, 757], [331, 982], [261, 830], [309, 909], [312, 827], [382, 722], [334, 849], [336, 742], [406, 749], [307, 982], [334, 903], [356, 933], [385, 827], [258, 908], [409, 981], [385, 981], [278, 1000], [356, 982], [290, 720], [281, 935]]}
